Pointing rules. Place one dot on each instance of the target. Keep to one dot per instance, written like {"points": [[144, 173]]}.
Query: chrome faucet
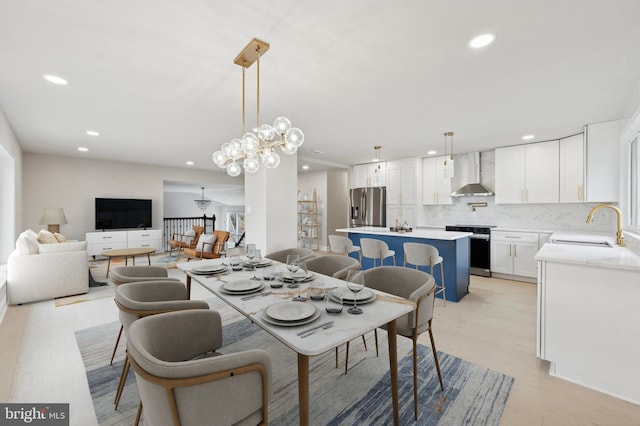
{"points": [[619, 237]]}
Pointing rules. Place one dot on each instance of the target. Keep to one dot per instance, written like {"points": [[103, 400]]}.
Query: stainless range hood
{"points": [[474, 188]]}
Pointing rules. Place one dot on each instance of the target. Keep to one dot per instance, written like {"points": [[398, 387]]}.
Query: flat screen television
{"points": [[121, 213]]}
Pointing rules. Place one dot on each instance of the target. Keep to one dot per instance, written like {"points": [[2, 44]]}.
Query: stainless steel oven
{"points": [[480, 247]]}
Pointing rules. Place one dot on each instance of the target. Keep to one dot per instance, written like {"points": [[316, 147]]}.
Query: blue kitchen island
{"points": [[453, 247]]}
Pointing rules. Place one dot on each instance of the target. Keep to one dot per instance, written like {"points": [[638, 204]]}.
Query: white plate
{"points": [[286, 277], [241, 285], [312, 318], [289, 310], [242, 293], [208, 268], [363, 296], [262, 263]]}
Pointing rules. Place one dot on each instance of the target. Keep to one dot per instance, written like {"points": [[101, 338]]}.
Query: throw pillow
{"points": [[210, 239], [188, 237], [62, 247], [46, 237], [27, 243], [60, 238]]}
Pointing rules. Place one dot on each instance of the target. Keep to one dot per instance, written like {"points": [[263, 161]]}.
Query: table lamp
{"points": [[53, 217]]}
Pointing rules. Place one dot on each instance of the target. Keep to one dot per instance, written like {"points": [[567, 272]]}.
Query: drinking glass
{"points": [[355, 283], [317, 291], [250, 253], [234, 261], [333, 302], [292, 266], [301, 273]]}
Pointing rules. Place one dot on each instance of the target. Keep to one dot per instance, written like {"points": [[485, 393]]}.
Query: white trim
{"points": [[3, 291]]}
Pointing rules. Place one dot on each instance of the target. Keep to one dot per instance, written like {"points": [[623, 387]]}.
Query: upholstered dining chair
{"points": [[144, 298], [418, 287], [340, 244], [420, 254], [209, 246], [130, 274], [281, 255], [183, 380], [185, 240], [333, 265], [376, 249]]}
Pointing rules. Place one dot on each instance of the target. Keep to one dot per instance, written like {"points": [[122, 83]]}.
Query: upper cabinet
{"points": [[366, 175], [402, 178], [436, 187], [528, 173], [602, 157], [572, 169]]}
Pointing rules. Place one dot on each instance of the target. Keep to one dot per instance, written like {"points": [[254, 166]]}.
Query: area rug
{"points": [[473, 395]]}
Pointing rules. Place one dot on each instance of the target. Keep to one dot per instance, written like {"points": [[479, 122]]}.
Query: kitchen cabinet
{"points": [[402, 179], [436, 187], [602, 161], [527, 173], [572, 169], [371, 174], [513, 253]]}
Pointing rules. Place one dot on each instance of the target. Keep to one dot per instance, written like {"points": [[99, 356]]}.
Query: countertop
{"points": [[416, 233], [605, 257]]}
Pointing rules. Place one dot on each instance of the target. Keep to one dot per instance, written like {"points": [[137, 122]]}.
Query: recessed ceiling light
{"points": [[432, 152], [189, 163], [482, 41], [305, 167], [92, 133], [55, 79], [528, 137], [83, 149]]}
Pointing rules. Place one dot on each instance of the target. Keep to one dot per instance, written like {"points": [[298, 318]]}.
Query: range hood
{"points": [[474, 188]]}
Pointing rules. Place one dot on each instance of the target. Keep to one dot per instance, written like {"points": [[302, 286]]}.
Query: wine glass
{"points": [[250, 252], [256, 261], [292, 266], [355, 283], [302, 272]]}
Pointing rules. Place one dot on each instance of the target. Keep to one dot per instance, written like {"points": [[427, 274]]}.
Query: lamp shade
{"points": [[53, 217]]}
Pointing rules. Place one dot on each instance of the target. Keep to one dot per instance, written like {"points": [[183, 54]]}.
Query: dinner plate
{"points": [[289, 311], [244, 292], [312, 318], [209, 269], [286, 277], [363, 296], [241, 285], [261, 264]]}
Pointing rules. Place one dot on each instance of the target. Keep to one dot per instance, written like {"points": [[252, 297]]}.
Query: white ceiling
{"points": [[157, 78]]}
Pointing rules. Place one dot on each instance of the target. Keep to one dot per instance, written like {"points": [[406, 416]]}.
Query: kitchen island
{"points": [[589, 317], [453, 247]]}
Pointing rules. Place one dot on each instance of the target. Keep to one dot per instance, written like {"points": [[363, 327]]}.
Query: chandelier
{"points": [[202, 203], [448, 162], [260, 144], [377, 149]]}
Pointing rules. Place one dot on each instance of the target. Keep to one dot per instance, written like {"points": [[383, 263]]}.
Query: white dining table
{"points": [[384, 310]]}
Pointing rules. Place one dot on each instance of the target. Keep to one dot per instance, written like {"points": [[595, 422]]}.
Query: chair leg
{"points": [[116, 346], [435, 357], [123, 381], [365, 343], [375, 334], [444, 288], [415, 377], [138, 414], [346, 360], [336, 357]]}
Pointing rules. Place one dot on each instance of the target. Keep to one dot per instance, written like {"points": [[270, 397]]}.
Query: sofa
{"points": [[40, 269]]}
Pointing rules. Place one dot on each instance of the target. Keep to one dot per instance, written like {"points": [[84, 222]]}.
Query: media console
{"points": [[99, 241]]}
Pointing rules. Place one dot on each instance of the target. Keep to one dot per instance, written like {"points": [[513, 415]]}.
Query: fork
{"points": [[310, 332]]}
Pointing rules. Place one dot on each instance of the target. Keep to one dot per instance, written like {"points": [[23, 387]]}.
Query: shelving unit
{"points": [[308, 223]]}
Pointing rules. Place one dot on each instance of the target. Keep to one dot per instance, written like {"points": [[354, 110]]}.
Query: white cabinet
{"points": [[513, 253], [603, 145], [99, 241], [371, 174], [572, 169], [436, 187], [527, 173], [402, 179]]}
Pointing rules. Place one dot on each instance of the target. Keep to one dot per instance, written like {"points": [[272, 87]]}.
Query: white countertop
{"points": [[416, 233], [606, 257]]}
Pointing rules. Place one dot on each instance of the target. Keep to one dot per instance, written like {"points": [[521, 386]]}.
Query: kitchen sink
{"points": [[593, 243]]}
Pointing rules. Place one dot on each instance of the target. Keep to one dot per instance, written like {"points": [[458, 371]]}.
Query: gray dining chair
{"points": [[183, 379], [281, 255], [377, 249], [333, 265], [420, 254], [341, 244]]}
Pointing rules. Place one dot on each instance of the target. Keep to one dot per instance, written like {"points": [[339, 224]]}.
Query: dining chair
{"points": [[281, 255], [418, 287], [183, 380], [341, 244], [140, 299], [376, 249], [420, 254], [333, 265], [129, 274]]}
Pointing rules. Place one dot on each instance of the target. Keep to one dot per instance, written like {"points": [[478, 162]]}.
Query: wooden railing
{"points": [[184, 224]]}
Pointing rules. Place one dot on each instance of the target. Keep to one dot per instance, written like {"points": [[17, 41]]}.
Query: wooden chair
{"points": [[208, 247], [183, 241]]}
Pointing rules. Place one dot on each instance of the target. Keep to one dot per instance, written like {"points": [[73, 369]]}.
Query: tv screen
{"points": [[119, 213]]}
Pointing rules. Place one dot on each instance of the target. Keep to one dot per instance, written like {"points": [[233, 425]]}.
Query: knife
{"points": [[314, 328]]}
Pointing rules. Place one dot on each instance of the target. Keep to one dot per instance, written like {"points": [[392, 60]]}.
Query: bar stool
{"points": [[419, 254], [340, 244], [376, 249]]}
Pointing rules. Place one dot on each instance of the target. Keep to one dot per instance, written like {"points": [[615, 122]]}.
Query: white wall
{"points": [[11, 165], [181, 204]]}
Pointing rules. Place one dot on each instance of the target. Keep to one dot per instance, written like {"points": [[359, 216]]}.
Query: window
{"points": [[235, 225], [634, 185]]}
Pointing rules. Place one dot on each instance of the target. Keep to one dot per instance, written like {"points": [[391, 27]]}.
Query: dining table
{"points": [[383, 310]]}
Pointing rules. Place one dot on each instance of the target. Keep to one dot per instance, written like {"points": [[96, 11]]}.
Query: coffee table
{"points": [[127, 253]]}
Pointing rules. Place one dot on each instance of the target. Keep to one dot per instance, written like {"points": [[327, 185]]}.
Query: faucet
{"points": [[619, 237]]}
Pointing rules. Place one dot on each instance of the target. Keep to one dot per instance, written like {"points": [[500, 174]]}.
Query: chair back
{"points": [[183, 381], [419, 254], [128, 274], [411, 284], [340, 244], [221, 238], [281, 255], [333, 265], [373, 248]]}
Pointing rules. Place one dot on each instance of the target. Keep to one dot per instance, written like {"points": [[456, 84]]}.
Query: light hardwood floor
{"points": [[493, 326]]}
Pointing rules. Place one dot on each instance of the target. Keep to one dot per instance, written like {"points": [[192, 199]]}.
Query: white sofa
{"points": [[37, 271]]}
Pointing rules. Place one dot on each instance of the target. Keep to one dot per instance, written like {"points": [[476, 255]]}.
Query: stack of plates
{"points": [[290, 313], [363, 296], [209, 269], [242, 287], [286, 277], [257, 263]]}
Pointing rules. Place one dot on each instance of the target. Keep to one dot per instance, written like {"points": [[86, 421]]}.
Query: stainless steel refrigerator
{"points": [[368, 206]]}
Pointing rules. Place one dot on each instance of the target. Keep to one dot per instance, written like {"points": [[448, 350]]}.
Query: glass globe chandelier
{"points": [[261, 144]]}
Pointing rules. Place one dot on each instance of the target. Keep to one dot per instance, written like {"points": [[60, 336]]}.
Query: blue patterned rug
{"points": [[473, 395]]}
